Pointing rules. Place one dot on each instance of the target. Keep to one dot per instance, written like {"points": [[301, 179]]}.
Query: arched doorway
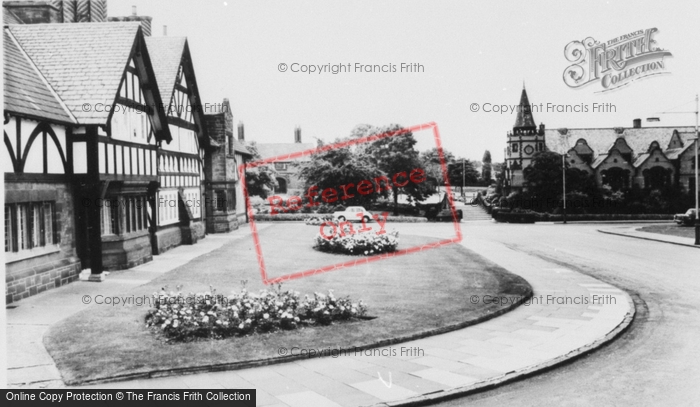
{"points": [[281, 186], [616, 177], [656, 177]]}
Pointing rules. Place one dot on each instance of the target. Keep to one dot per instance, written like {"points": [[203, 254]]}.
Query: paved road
{"points": [[656, 362]]}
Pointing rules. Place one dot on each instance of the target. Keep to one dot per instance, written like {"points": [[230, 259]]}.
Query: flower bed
{"points": [[366, 244], [186, 317]]}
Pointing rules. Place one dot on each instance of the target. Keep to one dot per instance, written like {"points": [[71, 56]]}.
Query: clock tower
{"points": [[524, 142]]}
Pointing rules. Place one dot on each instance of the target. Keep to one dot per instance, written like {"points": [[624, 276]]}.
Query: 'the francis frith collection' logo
{"points": [[615, 63]]}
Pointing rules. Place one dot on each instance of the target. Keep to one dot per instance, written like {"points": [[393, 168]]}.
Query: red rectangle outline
{"points": [[364, 260]]}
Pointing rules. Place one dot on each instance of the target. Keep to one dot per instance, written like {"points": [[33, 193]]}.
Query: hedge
{"points": [[303, 216], [530, 217]]}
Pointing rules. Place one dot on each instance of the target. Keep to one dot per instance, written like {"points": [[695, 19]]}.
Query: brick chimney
{"points": [[297, 134], [144, 20], [241, 132], [637, 123]]}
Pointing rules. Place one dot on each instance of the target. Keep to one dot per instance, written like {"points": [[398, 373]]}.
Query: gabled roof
{"points": [[641, 158], [601, 139], [674, 153], [8, 17], [269, 150], [83, 62], [240, 147], [599, 160], [25, 91], [166, 55]]}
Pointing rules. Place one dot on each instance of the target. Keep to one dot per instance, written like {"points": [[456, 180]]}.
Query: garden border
{"points": [[286, 157]]}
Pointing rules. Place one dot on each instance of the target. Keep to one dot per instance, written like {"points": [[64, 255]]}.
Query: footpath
{"points": [[657, 237]]}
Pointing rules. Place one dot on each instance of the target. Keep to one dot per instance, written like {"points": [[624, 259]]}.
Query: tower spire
{"points": [[524, 119]]}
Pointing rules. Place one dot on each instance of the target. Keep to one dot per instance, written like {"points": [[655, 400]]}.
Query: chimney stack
{"points": [[637, 123], [241, 132], [297, 134], [144, 20]]}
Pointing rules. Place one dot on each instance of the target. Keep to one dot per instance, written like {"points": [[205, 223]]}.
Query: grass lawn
{"points": [[410, 295], [673, 230]]}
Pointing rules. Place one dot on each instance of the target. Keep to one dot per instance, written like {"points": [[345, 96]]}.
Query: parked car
{"points": [[685, 219], [350, 214]]}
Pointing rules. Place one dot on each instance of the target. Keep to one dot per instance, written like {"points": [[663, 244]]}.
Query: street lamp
{"points": [[563, 177], [697, 180]]}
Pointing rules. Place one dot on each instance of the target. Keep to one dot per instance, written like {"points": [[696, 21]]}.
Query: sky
{"points": [[471, 52]]}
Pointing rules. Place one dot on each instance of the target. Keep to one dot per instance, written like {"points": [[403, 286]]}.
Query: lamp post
{"points": [[463, 177], [563, 177], [697, 182]]}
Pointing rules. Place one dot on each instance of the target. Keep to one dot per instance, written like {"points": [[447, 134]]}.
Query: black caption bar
{"points": [[171, 398]]}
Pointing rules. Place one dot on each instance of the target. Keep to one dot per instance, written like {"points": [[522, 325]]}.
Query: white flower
{"points": [[266, 315], [241, 326]]}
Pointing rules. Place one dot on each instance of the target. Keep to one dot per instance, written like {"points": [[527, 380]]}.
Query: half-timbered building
{"points": [[84, 162], [179, 211]]}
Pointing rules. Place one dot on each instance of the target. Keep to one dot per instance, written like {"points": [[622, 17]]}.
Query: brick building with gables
{"points": [[621, 157]]}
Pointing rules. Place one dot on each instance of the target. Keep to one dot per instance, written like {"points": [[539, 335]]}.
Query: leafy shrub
{"points": [[406, 219], [357, 243], [186, 317], [328, 208], [318, 220], [281, 217]]}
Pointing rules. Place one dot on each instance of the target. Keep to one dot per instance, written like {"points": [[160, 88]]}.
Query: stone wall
{"points": [[59, 264], [126, 251]]}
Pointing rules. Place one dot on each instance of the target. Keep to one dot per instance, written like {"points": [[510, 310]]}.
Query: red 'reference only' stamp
{"points": [[314, 197]]}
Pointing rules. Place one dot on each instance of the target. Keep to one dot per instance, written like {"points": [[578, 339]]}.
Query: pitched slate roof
{"points": [[600, 140], [240, 147], [8, 17], [269, 150], [25, 91], [83, 62], [166, 54], [674, 153]]}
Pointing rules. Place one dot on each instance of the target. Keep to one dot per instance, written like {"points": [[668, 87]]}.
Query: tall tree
{"points": [[486, 167], [336, 167], [396, 154], [544, 180], [260, 180], [433, 166], [459, 166]]}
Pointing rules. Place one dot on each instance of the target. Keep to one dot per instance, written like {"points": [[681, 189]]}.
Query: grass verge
{"points": [[412, 296], [671, 230]]}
